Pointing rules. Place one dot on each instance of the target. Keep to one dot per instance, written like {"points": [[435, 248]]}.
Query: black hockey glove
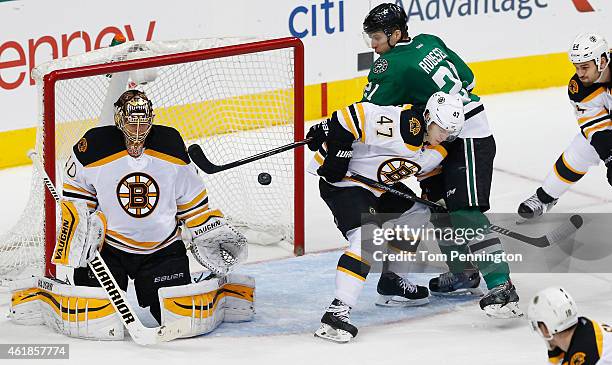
{"points": [[318, 133], [336, 163], [602, 142]]}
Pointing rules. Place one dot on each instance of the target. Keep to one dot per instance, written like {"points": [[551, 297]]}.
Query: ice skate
{"points": [[448, 283], [501, 302], [335, 325], [533, 207], [396, 291]]}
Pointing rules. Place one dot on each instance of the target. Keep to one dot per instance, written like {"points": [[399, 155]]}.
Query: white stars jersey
{"points": [[143, 198], [387, 144]]}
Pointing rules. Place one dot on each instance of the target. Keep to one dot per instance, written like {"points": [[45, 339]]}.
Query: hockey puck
{"points": [[264, 178]]}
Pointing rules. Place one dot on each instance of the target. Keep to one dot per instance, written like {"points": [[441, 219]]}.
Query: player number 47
{"points": [[381, 131]]}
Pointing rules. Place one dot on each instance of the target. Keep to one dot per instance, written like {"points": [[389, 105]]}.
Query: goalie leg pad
{"points": [[75, 311], [79, 236], [209, 303]]}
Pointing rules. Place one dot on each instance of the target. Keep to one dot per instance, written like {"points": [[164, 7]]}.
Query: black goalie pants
{"points": [[166, 267]]}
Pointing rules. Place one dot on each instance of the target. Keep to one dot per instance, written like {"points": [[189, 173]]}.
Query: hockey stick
{"points": [[199, 158], [140, 334], [558, 234]]}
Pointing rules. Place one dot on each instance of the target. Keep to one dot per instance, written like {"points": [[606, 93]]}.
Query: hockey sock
{"points": [[544, 198], [442, 221], [487, 245], [351, 274], [404, 247]]}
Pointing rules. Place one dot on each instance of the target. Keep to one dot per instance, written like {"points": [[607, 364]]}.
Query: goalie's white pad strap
{"points": [[75, 311], [209, 302]]}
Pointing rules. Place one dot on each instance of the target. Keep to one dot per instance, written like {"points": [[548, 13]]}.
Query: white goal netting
{"points": [[234, 104]]}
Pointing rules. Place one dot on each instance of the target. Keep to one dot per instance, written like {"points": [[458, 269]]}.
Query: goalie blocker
{"points": [[86, 312]]}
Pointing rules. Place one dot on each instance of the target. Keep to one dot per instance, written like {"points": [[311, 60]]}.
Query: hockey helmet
{"points": [[386, 17], [555, 308], [590, 47], [446, 111], [134, 115]]}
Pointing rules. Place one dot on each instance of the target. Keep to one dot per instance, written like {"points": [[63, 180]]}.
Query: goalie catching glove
{"points": [[81, 233], [216, 245]]}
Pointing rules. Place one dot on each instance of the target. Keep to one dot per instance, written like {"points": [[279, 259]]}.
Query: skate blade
{"points": [[459, 292], [326, 332], [397, 301], [508, 311]]}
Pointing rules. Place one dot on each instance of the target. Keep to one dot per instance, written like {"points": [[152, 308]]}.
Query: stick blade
{"points": [[199, 158], [565, 230], [150, 336], [174, 330]]}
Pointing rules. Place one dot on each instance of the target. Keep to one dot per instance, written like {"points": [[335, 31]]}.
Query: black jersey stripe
{"points": [[79, 196], [355, 118], [202, 203], [595, 121], [473, 112]]}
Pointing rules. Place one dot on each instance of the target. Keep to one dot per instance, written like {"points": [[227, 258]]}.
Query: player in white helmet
{"points": [[570, 339], [386, 144], [589, 94]]}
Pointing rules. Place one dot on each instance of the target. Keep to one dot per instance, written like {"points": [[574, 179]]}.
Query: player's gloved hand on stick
{"points": [[336, 163], [216, 245], [318, 133]]}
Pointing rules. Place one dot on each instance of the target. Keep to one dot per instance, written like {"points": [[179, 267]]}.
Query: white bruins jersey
{"points": [[592, 106], [144, 199], [591, 344], [387, 144]]}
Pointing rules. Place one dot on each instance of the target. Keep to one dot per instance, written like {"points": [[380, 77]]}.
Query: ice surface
{"points": [[531, 129]]}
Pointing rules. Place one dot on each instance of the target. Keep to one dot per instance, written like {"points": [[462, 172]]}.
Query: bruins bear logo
{"points": [[138, 194], [415, 126], [82, 145], [578, 358], [573, 87], [396, 169]]}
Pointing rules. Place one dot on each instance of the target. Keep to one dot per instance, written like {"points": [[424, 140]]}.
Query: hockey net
{"points": [[233, 98]]}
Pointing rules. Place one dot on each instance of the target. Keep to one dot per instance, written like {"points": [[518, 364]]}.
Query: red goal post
{"points": [[50, 102]]}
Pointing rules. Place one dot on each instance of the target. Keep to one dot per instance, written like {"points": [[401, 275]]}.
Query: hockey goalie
{"points": [[129, 191]]}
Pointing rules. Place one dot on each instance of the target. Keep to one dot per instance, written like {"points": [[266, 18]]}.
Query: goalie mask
{"points": [[134, 117]]}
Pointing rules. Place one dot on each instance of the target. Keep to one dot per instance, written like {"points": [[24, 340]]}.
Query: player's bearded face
{"points": [[587, 72]]}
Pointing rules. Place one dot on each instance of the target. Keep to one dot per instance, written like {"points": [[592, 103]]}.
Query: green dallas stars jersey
{"points": [[413, 70]]}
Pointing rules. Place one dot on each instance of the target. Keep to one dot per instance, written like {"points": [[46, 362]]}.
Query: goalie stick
{"points": [[140, 334], [199, 158], [558, 234]]}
